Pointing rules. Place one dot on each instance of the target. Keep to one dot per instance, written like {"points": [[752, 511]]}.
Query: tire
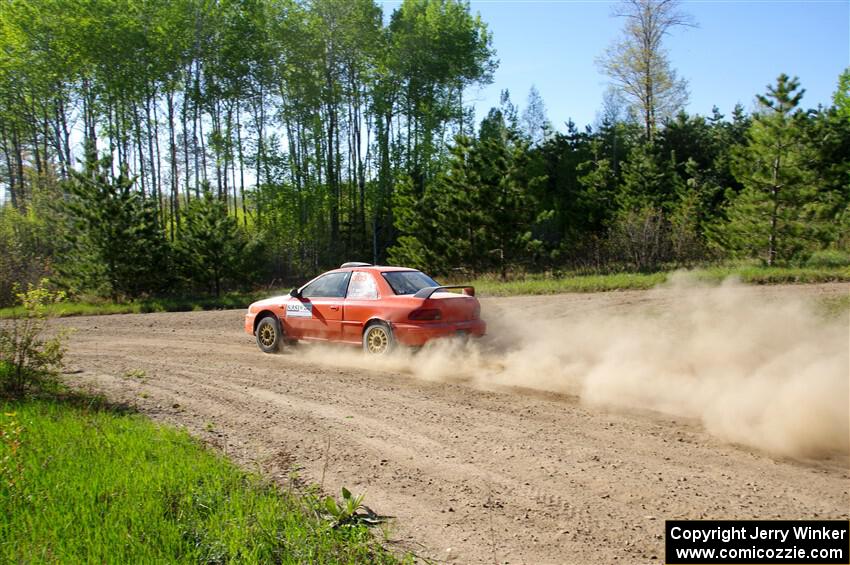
{"points": [[269, 335], [378, 339]]}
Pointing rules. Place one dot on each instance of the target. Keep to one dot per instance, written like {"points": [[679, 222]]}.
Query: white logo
{"points": [[299, 310]]}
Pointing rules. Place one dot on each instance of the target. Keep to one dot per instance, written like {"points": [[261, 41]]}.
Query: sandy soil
{"points": [[470, 474]]}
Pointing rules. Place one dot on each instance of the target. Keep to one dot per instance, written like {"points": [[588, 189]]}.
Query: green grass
{"points": [[83, 483], [96, 308], [542, 284], [538, 284], [485, 285], [776, 275]]}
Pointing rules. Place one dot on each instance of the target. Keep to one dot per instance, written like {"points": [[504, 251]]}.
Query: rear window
{"points": [[408, 282], [362, 286]]}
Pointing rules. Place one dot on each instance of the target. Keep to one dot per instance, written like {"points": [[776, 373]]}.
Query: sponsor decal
{"points": [[299, 310]]}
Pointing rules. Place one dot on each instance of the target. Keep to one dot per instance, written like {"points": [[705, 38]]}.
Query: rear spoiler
{"points": [[429, 290]]}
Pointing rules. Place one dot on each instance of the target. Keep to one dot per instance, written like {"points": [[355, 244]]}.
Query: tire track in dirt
{"points": [[519, 476]]}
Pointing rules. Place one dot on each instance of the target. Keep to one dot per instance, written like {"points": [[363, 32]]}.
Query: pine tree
{"points": [[829, 135], [776, 214], [415, 219], [116, 246], [685, 237], [212, 248], [643, 180], [841, 98], [599, 184], [508, 209], [440, 227], [480, 213], [651, 194]]}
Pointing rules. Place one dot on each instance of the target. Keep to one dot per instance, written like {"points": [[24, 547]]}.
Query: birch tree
{"points": [[638, 64]]}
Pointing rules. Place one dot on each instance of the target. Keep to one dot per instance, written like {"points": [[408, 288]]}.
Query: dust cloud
{"points": [[768, 374]]}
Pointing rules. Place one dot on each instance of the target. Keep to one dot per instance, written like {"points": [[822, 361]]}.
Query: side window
{"points": [[362, 287], [329, 286]]}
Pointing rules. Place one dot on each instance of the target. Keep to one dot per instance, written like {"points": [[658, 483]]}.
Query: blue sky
{"points": [[738, 48]]}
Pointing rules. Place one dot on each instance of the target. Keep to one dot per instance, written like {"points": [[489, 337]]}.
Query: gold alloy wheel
{"points": [[378, 340], [267, 335]]}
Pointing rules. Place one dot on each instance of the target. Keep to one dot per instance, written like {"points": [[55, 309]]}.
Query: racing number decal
{"points": [[299, 310]]}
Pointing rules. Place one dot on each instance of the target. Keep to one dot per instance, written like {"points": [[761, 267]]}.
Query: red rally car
{"points": [[359, 303]]}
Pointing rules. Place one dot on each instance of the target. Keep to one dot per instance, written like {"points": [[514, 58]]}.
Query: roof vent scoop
{"points": [[354, 264]]}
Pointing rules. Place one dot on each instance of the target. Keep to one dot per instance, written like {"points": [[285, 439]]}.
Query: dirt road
{"points": [[474, 471]]}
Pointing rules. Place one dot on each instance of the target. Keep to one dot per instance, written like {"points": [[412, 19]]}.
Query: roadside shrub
{"points": [[686, 243], [829, 258], [24, 251], [641, 239], [29, 361]]}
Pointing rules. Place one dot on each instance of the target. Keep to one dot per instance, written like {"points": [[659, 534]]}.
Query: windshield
{"points": [[408, 282]]}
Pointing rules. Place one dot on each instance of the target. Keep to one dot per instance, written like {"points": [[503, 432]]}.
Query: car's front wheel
{"points": [[378, 339], [269, 335]]}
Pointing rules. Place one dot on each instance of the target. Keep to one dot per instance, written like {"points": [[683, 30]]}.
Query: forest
{"points": [[160, 147]]}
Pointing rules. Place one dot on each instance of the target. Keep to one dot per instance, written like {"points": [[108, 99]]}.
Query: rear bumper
{"points": [[249, 323], [418, 334]]}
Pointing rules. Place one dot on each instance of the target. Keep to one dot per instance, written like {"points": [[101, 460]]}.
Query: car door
{"points": [[317, 313], [362, 302]]}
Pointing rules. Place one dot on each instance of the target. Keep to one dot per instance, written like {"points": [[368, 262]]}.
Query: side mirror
{"points": [[294, 293]]}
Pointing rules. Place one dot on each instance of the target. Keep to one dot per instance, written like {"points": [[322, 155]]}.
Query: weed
{"points": [[349, 511], [135, 374], [11, 436], [345, 511]]}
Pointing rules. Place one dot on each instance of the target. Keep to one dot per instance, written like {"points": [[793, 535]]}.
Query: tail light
{"points": [[425, 314], [476, 312]]}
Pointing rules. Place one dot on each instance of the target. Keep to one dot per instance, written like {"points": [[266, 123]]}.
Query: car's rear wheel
{"points": [[378, 339], [269, 335]]}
